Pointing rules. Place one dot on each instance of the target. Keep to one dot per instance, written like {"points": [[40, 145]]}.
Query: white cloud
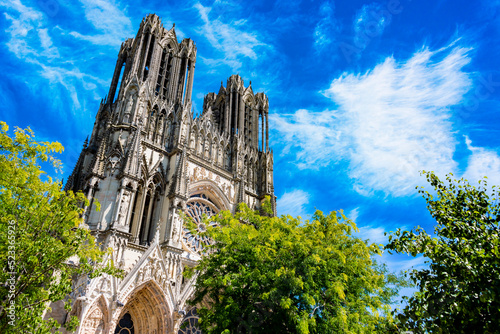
{"points": [[326, 28], [214, 63], [30, 40], [293, 203], [397, 264], [107, 17], [370, 22], [49, 50], [313, 132], [373, 234], [482, 162], [353, 214], [68, 78], [230, 39], [391, 122], [23, 28]]}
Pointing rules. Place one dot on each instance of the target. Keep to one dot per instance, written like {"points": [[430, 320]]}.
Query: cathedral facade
{"points": [[147, 160]]}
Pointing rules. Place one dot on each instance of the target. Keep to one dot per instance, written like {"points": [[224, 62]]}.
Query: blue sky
{"points": [[363, 94]]}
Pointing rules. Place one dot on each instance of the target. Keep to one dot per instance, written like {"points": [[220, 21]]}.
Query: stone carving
{"points": [[124, 206], [183, 131], [176, 223], [200, 173], [176, 134], [128, 108], [112, 165], [95, 322], [140, 112], [160, 129]]}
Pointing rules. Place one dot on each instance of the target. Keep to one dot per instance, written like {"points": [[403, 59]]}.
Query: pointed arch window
{"points": [[144, 218], [148, 57], [117, 78], [181, 84], [147, 50], [162, 83], [135, 208], [149, 212]]}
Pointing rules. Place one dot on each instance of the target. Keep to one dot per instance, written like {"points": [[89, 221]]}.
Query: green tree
{"points": [[283, 275], [41, 237], [460, 290]]}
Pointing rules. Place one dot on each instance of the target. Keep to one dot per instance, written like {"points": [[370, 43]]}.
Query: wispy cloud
{"points": [[231, 39], [327, 28], [213, 64], [313, 132], [404, 262], [32, 40], [482, 162], [293, 203], [370, 22], [353, 214], [25, 23], [373, 234], [391, 122], [112, 24]]}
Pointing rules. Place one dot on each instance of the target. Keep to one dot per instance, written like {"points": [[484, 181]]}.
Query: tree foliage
{"points": [[284, 275], [460, 290], [42, 243]]}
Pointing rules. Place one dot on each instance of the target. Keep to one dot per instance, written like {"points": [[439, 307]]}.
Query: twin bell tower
{"points": [[148, 159]]}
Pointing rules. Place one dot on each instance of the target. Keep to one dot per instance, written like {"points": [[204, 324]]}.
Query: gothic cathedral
{"points": [[147, 160]]}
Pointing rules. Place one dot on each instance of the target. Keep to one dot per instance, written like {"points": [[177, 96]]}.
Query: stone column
{"points": [[267, 131], [189, 89]]}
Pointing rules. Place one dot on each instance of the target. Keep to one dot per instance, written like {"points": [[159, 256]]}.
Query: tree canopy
{"points": [[40, 231], [459, 292], [284, 275]]}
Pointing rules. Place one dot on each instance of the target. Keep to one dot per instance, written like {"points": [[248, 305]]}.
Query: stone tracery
{"points": [[189, 324], [196, 208]]}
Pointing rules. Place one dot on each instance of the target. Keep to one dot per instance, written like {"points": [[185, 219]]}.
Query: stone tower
{"points": [[147, 160]]}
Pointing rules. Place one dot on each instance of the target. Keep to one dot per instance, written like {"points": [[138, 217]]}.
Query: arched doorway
{"points": [[146, 311]]}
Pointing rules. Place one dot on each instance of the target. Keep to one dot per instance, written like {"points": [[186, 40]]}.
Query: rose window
{"points": [[189, 324], [196, 207]]}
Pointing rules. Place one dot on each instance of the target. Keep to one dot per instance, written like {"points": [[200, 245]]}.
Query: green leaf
{"points": [[45, 221], [306, 276], [453, 295]]}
